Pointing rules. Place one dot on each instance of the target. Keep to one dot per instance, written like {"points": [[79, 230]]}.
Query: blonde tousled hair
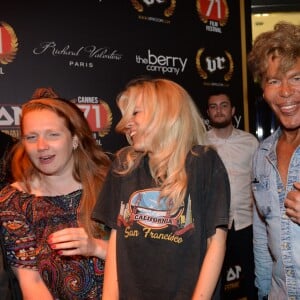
{"points": [[176, 126]]}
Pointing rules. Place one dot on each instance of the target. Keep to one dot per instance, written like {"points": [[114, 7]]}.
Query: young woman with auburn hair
{"points": [[54, 247]]}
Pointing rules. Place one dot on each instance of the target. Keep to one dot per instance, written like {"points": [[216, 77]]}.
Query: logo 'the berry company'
{"points": [[8, 43]]}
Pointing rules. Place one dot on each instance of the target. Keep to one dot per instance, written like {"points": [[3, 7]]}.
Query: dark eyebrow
{"points": [[223, 102]]}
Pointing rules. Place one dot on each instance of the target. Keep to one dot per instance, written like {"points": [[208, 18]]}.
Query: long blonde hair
{"points": [[90, 162], [176, 124]]}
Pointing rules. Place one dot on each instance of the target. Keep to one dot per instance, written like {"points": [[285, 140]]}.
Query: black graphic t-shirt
{"points": [[159, 255]]}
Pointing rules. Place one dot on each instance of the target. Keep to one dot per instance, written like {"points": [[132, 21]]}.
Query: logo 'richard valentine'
{"points": [[162, 63]]}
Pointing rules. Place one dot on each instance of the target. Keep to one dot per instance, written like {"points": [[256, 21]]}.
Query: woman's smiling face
{"points": [[137, 128]]}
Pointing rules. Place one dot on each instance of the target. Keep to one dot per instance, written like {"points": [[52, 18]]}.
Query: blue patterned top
{"points": [[27, 221]]}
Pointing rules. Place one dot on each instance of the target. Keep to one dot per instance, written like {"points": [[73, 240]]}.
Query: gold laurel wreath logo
{"points": [[9, 56], [106, 128], [204, 75], [139, 7], [205, 18], [223, 21], [201, 72], [170, 10], [167, 13], [228, 75]]}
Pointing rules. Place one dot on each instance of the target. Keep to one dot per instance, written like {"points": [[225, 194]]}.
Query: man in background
{"points": [[236, 148]]}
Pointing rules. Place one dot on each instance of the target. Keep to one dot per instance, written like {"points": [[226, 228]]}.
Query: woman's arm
{"points": [[212, 265], [32, 285], [110, 288]]}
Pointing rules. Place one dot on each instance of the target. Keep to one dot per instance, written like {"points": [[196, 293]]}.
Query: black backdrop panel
{"points": [[88, 50]]}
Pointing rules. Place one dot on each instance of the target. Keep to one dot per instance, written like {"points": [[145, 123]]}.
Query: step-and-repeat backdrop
{"points": [[88, 50]]}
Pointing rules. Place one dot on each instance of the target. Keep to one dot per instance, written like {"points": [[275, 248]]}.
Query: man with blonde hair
{"points": [[275, 63]]}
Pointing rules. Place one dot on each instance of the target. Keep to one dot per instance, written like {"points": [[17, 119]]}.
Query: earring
{"points": [[74, 144]]}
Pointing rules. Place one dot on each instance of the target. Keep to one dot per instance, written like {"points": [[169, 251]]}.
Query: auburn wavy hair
{"points": [[90, 162]]}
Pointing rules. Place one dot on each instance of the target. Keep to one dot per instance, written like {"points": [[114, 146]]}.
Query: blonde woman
{"points": [[166, 199]]}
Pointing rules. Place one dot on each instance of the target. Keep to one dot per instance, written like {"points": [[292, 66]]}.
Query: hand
{"points": [[292, 203], [75, 241]]}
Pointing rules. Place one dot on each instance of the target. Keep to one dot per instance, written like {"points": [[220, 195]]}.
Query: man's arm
{"points": [[262, 257]]}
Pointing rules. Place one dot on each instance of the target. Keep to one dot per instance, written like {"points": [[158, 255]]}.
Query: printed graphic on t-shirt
{"points": [[146, 208]]}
